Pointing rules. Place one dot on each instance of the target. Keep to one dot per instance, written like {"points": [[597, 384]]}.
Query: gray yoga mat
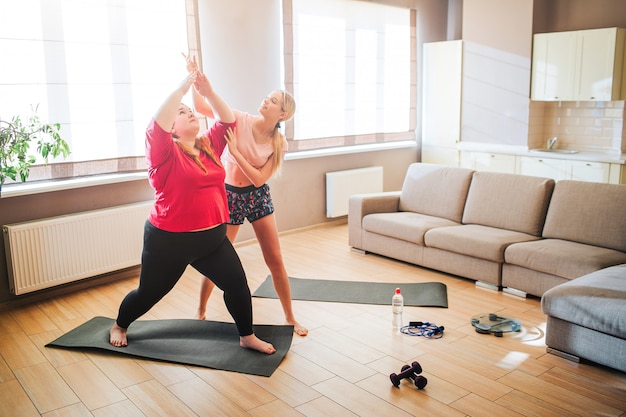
{"points": [[204, 343], [420, 294]]}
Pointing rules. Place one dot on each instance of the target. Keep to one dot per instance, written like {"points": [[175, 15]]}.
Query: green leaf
{"points": [[16, 137]]}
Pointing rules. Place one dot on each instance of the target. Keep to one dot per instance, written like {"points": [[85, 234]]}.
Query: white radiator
{"points": [[340, 185], [54, 251]]}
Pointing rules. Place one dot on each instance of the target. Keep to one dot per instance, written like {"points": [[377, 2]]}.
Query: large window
{"points": [[352, 75], [98, 67]]}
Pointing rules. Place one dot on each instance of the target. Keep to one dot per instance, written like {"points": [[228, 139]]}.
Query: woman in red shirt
{"points": [[187, 224]]}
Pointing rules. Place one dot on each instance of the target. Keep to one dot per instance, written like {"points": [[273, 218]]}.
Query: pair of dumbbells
{"points": [[412, 372]]}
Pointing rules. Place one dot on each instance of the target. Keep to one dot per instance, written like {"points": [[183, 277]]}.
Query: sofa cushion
{"points": [[594, 301], [435, 190], [508, 201], [590, 213], [406, 226], [481, 242], [562, 258]]}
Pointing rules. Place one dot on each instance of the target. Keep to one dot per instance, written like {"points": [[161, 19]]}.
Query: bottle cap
{"points": [[397, 290]]}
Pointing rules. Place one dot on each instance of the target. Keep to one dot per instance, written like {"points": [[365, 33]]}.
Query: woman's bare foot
{"points": [[298, 329], [253, 342], [117, 336], [200, 315]]}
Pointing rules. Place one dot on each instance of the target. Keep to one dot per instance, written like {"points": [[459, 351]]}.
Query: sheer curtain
{"points": [[97, 67], [352, 72]]}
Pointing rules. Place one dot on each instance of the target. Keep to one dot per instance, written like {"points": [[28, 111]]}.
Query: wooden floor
{"points": [[341, 369]]}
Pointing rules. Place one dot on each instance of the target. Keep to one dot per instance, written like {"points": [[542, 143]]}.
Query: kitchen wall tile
{"points": [[593, 125]]}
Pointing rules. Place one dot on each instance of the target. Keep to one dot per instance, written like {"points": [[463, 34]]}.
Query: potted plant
{"points": [[16, 138]]}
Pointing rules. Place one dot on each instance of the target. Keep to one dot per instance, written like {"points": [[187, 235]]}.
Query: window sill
{"points": [[22, 189], [370, 147]]}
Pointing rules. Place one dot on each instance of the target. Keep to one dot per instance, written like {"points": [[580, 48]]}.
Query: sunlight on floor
{"points": [[534, 336], [512, 360]]}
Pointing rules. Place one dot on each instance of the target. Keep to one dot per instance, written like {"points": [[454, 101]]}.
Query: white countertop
{"points": [[582, 155]]}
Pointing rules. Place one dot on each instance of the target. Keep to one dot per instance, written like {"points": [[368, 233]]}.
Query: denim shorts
{"points": [[250, 203]]}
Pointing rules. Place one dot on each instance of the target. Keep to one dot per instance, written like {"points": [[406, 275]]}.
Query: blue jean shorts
{"points": [[250, 203]]}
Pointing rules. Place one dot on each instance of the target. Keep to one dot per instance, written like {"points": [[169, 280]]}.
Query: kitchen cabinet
{"points": [[554, 59], [590, 171], [601, 63], [566, 169], [487, 161], [546, 167], [558, 169], [579, 65], [617, 174], [441, 155], [441, 105]]}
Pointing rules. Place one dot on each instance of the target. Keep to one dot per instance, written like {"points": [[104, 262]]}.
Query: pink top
{"points": [[256, 154], [186, 198]]}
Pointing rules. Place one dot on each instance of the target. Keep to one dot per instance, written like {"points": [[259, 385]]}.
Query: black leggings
{"points": [[165, 257]]}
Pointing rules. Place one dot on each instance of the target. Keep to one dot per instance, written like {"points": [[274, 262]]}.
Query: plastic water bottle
{"points": [[397, 304]]}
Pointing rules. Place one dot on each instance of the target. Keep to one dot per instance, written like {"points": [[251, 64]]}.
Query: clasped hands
{"points": [[202, 83]]}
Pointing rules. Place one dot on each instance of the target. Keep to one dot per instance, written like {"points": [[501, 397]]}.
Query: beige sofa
{"points": [[524, 233], [584, 231], [587, 317], [561, 241]]}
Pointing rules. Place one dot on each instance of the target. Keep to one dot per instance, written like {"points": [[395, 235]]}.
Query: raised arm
{"points": [[201, 106], [221, 109], [199, 102], [166, 114]]}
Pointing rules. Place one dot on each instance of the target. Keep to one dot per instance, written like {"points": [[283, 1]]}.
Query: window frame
{"points": [[60, 175], [351, 141], [116, 166]]}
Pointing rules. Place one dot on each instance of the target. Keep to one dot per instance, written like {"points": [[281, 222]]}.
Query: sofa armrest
{"points": [[360, 205]]}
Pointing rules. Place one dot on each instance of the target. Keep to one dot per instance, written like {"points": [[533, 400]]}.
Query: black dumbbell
{"points": [[419, 380], [407, 372]]}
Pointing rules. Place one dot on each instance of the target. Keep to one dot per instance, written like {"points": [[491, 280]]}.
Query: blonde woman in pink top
{"points": [[255, 152]]}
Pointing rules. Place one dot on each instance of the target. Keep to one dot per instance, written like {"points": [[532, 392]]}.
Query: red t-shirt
{"points": [[186, 198]]}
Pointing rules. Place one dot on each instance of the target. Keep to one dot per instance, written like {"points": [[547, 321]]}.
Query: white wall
{"points": [[497, 39], [240, 43]]}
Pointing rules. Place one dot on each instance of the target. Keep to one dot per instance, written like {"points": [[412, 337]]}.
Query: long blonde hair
{"points": [[204, 145], [289, 107]]}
